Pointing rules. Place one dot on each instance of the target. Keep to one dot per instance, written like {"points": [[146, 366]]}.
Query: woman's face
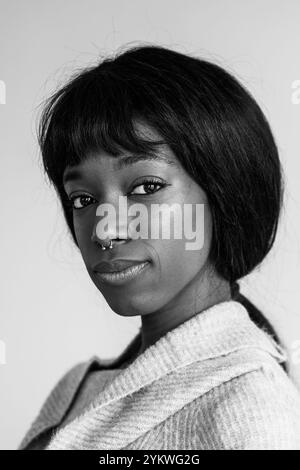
{"points": [[173, 269]]}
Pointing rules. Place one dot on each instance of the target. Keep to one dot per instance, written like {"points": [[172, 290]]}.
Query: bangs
{"points": [[93, 113]]}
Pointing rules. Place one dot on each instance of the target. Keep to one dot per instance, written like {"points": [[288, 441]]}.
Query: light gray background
{"points": [[51, 314]]}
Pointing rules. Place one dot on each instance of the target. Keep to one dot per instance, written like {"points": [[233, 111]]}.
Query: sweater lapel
{"points": [[178, 368]]}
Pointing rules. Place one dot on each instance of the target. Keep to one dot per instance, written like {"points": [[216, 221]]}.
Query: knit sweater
{"points": [[213, 382]]}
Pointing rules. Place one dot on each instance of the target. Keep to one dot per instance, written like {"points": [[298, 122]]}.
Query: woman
{"points": [[206, 370]]}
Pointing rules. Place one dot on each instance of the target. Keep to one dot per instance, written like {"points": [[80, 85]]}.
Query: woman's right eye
{"points": [[77, 201]]}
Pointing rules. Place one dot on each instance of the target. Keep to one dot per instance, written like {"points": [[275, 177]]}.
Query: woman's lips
{"points": [[122, 276], [116, 265]]}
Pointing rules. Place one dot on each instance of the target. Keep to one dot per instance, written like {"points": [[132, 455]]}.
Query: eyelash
{"points": [[143, 183]]}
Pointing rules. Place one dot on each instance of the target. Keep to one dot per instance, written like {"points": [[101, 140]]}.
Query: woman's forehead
{"points": [[162, 156]]}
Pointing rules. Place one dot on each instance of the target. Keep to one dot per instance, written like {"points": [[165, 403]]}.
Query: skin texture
{"points": [[178, 283]]}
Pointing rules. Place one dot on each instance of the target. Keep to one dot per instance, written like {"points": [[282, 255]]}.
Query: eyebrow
{"points": [[123, 162]]}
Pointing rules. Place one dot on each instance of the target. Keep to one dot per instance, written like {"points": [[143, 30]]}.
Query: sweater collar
{"points": [[219, 330]]}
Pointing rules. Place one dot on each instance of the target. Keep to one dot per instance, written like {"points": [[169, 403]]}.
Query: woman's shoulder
{"points": [[258, 409], [60, 398], [62, 395]]}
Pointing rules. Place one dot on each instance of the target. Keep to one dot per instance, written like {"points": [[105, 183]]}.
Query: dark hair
{"points": [[209, 120]]}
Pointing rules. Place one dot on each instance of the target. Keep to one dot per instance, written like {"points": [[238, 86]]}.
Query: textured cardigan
{"points": [[213, 382]]}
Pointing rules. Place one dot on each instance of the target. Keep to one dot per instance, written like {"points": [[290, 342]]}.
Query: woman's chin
{"points": [[131, 306]]}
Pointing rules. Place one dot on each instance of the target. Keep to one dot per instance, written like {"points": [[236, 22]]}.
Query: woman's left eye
{"points": [[148, 184]]}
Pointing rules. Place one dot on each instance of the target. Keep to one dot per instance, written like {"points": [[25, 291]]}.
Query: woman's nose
{"points": [[110, 225]]}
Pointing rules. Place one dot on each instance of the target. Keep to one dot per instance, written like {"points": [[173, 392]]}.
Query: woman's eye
{"points": [[149, 187], [78, 202], [146, 187]]}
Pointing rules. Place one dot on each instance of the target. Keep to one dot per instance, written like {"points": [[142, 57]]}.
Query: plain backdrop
{"points": [[51, 315]]}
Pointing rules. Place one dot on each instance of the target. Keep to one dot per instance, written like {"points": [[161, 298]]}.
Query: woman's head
{"points": [[151, 182], [151, 100]]}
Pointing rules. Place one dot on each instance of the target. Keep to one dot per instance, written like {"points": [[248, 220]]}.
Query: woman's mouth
{"points": [[120, 277]]}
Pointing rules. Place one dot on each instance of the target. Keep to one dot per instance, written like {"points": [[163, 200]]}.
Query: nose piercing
{"points": [[110, 246]]}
